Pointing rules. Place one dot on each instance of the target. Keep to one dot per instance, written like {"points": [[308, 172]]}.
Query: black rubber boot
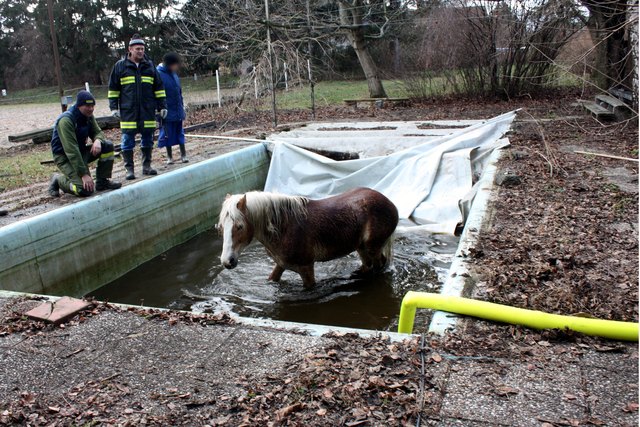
{"points": [[146, 161], [169, 156], [54, 187], [127, 157], [107, 184], [183, 154]]}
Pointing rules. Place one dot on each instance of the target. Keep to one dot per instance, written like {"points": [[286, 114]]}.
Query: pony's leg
{"points": [[308, 276], [366, 261], [373, 258], [276, 274]]}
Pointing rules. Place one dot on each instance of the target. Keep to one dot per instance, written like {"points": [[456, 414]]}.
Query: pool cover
{"points": [[432, 184]]}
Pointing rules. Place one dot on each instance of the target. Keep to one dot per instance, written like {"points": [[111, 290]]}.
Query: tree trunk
{"points": [[351, 18], [126, 27], [607, 27], [632, 16], [369, 67]]}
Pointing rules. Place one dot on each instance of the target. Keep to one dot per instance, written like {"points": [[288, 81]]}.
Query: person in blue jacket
{"points": [[171, 131]]}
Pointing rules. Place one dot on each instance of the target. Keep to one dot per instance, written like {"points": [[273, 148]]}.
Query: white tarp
{"points": [[426, 182]]}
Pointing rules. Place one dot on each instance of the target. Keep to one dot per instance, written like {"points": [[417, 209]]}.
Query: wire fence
{"points": [[213, 89]]}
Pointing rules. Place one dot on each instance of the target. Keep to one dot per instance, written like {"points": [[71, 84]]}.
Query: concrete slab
{"points": [[57, 311], [126, 366], [457, 422], [371, 139], [260, 348], [625, 179], [615, 359], [150, 358], [610, 391], [508, 393], [476, 379]]}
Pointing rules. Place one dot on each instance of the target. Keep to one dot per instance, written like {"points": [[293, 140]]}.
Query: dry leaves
{"points": [[553, 248]]}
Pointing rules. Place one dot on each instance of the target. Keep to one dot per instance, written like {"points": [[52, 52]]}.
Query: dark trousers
{"points": [[71, 183]]}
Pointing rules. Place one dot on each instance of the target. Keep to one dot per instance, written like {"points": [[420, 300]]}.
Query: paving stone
{"points": [[614, 360], [470, 395], [610, 390], [625, 179], [553, 392], [454, 422], [507, 392], [57, 311], [262, 349]]}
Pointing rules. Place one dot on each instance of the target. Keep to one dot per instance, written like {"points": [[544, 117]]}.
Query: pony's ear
{"points": [[242, 203], [227, 196]]}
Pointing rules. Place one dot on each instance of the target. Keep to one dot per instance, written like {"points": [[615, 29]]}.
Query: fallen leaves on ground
{"points": [[564, 243]]}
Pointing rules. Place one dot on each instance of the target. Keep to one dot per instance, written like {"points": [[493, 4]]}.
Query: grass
{"points": [[49, 94], [332, 93], [327, 93], [46, 95], [24, 169], [207, 83]]}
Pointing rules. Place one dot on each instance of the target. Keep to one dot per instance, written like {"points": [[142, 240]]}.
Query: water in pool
{"points": [[190, 277]]}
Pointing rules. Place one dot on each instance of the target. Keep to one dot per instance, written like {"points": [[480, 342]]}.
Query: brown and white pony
{"points": [[297, 231]]}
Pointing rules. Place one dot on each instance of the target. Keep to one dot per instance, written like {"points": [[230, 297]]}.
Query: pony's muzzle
{"points": [[230, 263]]}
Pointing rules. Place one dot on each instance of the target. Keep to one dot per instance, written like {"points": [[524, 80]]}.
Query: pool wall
{"points": [[85, 245]]}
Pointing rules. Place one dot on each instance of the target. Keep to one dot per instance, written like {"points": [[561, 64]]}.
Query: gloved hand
{"points": [[163, 113], [116, 114]]}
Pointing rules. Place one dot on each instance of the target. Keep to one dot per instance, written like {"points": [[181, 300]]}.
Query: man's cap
{"points": [[84, 97], [136, 39]]}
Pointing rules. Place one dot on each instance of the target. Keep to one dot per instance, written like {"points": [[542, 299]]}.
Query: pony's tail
{"points": [[387, 251]]}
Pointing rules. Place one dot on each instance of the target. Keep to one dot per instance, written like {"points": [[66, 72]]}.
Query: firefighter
{"points": [[135, 93], [72, 153]]}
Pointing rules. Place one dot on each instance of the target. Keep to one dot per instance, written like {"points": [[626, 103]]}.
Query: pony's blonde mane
{"points": [[267, 212]]}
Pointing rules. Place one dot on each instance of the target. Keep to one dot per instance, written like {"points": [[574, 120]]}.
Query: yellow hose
{"points": [[626, 331]]}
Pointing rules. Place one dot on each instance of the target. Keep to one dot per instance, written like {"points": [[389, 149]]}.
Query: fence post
{"points": [[286, 77], [218, 88], [255, 84], [86, 87], [313, 92]]}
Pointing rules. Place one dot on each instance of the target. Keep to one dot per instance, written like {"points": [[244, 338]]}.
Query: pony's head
{"points": [[236, 229]]}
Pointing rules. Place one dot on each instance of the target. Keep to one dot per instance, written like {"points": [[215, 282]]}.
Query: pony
{"points": [[297, 231]]}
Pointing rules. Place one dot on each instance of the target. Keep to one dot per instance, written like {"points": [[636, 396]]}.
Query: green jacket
{"points": [[69, 138]]}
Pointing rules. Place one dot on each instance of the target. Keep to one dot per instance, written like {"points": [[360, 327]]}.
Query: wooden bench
{"points": [[377, 101]]}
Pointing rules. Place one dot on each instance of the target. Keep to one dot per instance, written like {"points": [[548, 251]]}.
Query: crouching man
{"points": [[77, 141]]}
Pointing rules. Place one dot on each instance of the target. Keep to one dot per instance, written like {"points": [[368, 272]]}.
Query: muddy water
{"points": [[189, 277]]}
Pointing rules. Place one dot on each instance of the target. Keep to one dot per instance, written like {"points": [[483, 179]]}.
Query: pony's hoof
{"points": [[362, 271]]}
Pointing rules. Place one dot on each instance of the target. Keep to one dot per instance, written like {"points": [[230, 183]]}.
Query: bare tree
{"points": [[609, 23], [236, 30], [505, 49], [352, 22]]}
